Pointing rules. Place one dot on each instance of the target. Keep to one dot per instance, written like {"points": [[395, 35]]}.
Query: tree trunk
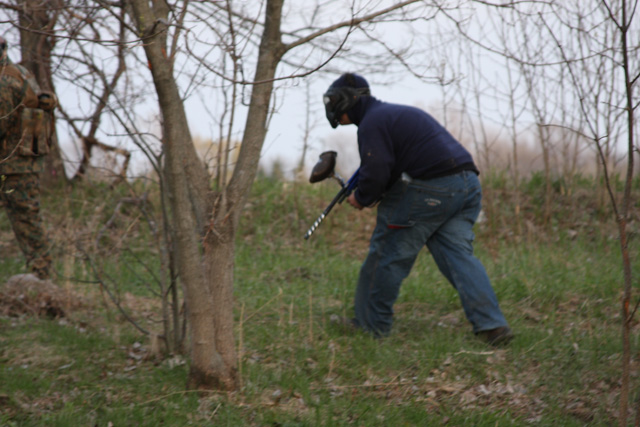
{"points": [[190, 201], [36, 23], [271, 50], [219, 259], [623, 217], [219, 243], [208, 277]]}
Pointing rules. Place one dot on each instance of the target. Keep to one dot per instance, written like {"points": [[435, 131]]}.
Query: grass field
{"points": [[559, 285]]}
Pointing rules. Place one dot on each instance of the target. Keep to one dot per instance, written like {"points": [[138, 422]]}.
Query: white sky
{"points": [[284, 141]]}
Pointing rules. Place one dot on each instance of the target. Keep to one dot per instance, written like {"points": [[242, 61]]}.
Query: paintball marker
{"points": [[325, 169]]}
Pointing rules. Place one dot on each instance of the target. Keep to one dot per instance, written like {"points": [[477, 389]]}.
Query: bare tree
{"points": [[616, 54], [211, 218], [587, 51], [514, 115]]}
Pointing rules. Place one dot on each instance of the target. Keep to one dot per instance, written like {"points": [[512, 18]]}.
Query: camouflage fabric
{"points": [[23, 143], [20, 194], [24, 128]]}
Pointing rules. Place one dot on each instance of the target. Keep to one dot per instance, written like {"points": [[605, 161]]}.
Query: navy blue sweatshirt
{"points": [[393, 139]]}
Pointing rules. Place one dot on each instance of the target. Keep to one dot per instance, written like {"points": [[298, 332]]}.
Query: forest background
{"points": [[231, 301]]}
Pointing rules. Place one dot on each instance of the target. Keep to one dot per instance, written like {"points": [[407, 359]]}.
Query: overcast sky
{"points": [[436, 47]]}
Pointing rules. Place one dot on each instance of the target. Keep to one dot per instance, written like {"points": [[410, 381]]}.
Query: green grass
{"points": [[560, 292]]}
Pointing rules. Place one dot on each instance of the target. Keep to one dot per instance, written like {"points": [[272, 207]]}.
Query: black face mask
{"points": [[339, 100]]}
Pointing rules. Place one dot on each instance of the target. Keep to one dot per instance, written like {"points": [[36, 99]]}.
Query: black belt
{"points": [[456, 170]]}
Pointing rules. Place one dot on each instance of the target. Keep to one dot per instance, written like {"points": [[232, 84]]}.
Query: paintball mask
{"points": [[342, 95]]}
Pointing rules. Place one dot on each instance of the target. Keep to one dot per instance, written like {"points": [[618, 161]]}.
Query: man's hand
{"points": [[353, 202]]}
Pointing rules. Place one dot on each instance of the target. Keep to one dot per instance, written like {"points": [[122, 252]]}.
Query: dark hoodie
{"points": [[393, 139]]}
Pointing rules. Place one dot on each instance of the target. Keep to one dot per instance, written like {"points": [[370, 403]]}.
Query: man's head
{"points": [[342, 95]]}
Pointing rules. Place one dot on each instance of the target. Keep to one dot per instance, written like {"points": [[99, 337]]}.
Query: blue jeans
{"points": [[440, 213]]}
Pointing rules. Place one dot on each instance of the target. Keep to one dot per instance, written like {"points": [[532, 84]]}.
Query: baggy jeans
{"points": [[440, 213]]}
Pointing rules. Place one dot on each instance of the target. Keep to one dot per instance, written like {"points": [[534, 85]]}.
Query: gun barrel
{"points": [[314, 226], [336, 199], [344, 192]]}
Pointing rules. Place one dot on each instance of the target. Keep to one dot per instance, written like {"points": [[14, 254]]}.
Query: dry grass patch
{"points": [[26, 294]]}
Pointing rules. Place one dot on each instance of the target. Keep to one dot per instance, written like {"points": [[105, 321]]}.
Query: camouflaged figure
{"points": [[25, 130]]}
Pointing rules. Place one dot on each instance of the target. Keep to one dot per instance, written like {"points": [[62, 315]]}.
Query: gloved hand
{"points": [[47, 101]]}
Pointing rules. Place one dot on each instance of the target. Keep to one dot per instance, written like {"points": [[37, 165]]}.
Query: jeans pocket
{"points": [[395, 207], [431, 203]]}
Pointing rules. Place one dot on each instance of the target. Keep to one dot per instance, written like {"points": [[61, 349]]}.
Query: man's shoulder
{"points": [[389, 108], [381, 112], [10, 79], [14, 70]]}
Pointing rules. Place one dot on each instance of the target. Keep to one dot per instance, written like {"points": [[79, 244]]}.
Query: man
{"points": [[427, 190], [25, 129]]}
